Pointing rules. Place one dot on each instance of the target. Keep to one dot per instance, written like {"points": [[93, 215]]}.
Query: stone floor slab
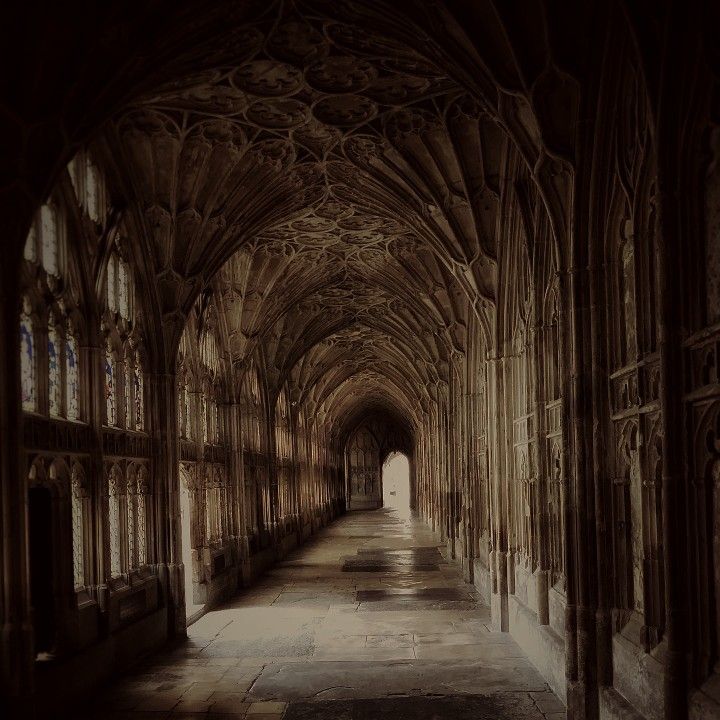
{"points": [[367, 620]]}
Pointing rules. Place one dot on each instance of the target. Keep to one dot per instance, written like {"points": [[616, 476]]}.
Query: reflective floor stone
{"points": [[322, 636]]}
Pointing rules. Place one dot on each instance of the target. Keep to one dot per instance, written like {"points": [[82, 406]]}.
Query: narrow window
{"points": [[112, 284], [110, 390], [54, 375], [49, 238], [72, 389], [27, 361], [30, 252], [115, 530], [139, 396], [78, 533], [123, 290]]}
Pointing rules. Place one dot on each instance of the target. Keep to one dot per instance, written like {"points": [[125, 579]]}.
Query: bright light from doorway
{"points": [[396, 484]]}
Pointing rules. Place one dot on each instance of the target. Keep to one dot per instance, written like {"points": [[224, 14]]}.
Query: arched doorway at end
{"points": [[396, 483]]}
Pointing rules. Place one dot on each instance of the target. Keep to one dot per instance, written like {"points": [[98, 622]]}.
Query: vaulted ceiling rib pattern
{"points": [[335, 189]]}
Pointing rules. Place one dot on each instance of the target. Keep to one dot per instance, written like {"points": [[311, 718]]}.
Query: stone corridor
{"points": [[368, 620]]}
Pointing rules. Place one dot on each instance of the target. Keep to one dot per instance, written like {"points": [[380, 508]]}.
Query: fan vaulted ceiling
{"points": [[334, 188]]}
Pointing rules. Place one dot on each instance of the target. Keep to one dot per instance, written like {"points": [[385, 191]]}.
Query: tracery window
{"points": [[44, 240], [72, 375], [124, 378], [282, 426], [54, 374], [80, 518], [89, 186], [215, 504], [116, 492], [49, 241], [203, 418], [118, 287], [141, 494], [210, 370], [139, 394], [128, 518], [184, 416], [110, 389], [27, 359], [48, 349]]}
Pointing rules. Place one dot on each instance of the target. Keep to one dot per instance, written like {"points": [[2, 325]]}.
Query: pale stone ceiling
{"points": [[336, 189]]}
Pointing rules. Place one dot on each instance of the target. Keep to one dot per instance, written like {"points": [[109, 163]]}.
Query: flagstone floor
{"points": [[368, 620]]}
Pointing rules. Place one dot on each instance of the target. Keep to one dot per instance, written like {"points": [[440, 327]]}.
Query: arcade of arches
{"points": [[252, 248]]}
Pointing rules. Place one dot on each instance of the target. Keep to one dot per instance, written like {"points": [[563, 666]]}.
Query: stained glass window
{"points": [[54, 377], [72, 389], [78, 533], [49, 238], [139, 393], [110, 410], [27, 362]]}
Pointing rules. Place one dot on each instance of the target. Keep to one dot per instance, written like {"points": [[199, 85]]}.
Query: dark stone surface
{"points": [[438, 593], [460, 707], [415, 551], [385, 567]]}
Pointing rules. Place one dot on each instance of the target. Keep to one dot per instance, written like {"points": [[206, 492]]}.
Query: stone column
{"points": [[670, 338], [166, 466], [498, 498], [580, 613], [92, 364], [16, 635], [236, 484], [540, 506]]}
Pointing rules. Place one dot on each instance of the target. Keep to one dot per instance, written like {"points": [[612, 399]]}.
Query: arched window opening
{"points": [[124, 381], [128, 518], [396, 484], [44, 245], [30, 252], [89, 186], [118, 287], [49, 241]]}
